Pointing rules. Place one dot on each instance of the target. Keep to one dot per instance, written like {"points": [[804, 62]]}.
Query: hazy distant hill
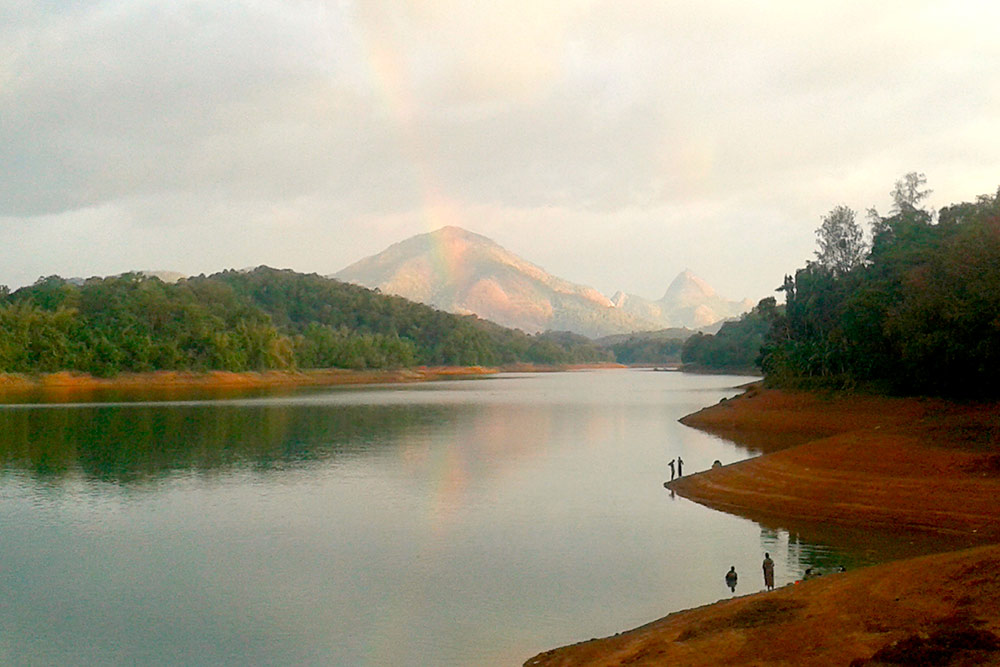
{"points": [[688, 302], [647, 347], [462, 272], [678, 333]]}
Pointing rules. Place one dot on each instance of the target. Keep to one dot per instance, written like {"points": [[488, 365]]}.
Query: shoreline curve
{"points": [[855, 461]]}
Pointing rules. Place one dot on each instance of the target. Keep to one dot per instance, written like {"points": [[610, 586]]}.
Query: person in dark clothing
{"points": [[680, 466], [672, 470], [768, 566], [731, 578]]}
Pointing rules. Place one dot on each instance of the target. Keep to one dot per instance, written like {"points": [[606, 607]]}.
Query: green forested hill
{"points": [[647, 347], [736, 347], [257, 320]]}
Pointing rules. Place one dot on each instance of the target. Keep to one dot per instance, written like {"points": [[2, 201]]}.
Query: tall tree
{"points": [[907, 194], [841, 241]]}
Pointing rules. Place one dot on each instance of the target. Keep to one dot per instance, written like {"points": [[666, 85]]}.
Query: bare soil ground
{"points": [[72, 386], [69, 386], [856, 462]]}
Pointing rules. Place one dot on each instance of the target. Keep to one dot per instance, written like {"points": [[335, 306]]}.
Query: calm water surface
{"points": [[454, 523]]}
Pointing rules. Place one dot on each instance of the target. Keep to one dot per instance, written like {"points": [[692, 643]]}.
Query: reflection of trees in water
{"points": [[826, 547], [134, 443], [444, 450], [801, 554]]}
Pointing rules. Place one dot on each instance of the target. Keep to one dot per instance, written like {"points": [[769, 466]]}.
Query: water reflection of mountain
{"points": [[134, 443]]}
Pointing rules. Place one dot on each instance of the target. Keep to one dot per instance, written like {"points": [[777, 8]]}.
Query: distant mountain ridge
{"points": [[464, 272]]}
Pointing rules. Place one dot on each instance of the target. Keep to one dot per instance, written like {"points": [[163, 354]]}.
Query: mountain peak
{"points": [[460, 271], [451, 231], [687, 287], [689, 301]]}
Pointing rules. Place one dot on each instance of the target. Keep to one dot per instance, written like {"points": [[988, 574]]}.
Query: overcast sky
{"points": [[612, 143]]}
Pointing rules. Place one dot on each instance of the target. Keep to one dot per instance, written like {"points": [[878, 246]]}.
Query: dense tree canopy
{"points": [[920, 315], [256, 320], [916, 310]]}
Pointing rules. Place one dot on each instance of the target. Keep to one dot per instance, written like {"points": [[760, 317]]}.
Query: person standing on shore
{"points": [[731, 578], [671, 470], [680, 466], [768, 572]]}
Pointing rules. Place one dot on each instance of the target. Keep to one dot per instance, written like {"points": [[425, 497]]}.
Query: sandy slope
{"points": [[906, 463], [855, 461]]}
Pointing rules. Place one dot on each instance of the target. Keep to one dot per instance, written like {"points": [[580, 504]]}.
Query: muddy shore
{"points": [[70, 386], [856, 462]]}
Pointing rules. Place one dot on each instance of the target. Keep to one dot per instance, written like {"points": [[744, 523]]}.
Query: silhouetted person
{"points": [[680, 466], [731, 578], [672, 475], [768, 572], [716, 463]]}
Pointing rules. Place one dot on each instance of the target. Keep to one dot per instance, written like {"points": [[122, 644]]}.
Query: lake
{"points": [[472, 522]]}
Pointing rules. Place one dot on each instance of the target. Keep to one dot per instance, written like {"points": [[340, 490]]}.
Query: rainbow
{"points": [[388, 74]]}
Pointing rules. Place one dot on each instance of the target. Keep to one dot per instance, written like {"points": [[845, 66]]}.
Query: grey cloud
{"points": [[159, 113], [247, 100], [134, 99]]}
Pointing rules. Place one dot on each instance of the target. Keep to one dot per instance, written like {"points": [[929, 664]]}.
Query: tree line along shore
{"points": [[267, 320], [251, 321]]}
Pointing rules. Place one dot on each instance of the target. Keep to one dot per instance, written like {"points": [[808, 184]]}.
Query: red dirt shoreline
{"points": [[920, 464], [854, 461], [70, 386]]}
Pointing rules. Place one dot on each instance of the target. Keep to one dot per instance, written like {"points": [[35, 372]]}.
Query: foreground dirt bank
{"points": [[936, 610], [854, 461]]}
